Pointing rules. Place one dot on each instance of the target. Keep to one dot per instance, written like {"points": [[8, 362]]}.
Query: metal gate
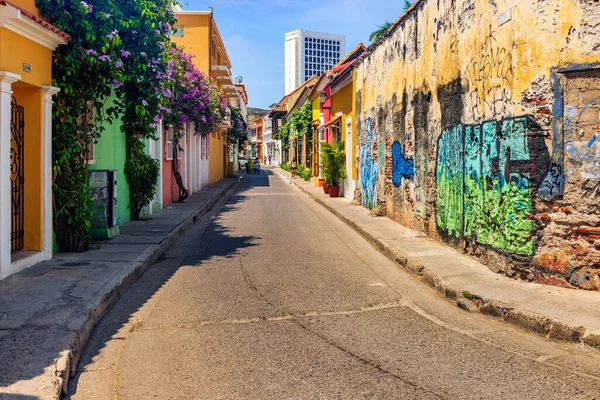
{"points": [[17, 130]]}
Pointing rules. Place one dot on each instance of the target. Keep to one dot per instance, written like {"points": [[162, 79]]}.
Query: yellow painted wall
{"points": [[316, 108], [459, 51], [195, 39], [31, 99], [28, 5], [342, 101], [15, 50], [216, 161]]}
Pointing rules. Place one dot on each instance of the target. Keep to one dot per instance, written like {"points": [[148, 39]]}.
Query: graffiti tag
{"points": [[401, 166], [368, 168], [490, 78]]}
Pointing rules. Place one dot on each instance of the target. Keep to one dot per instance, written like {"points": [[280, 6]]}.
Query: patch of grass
{"points": [[468, 295]]}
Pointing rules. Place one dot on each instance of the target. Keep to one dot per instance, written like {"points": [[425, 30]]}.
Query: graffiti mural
{"points": [[368, 168], [401, 166], [484, 184]]}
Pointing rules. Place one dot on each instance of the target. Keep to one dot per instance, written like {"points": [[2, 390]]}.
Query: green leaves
{"points": [[301, 120], [103, 58], [333, 159], [381, 30]]}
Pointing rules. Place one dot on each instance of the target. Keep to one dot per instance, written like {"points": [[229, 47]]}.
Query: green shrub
{"points": [[333, 158], [306, 174], [285, 167]]}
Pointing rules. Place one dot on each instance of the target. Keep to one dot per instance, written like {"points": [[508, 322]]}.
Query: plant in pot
{"points": [[335, 170], [326, 174]]}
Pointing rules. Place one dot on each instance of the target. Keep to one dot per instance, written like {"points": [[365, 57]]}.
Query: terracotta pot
{"points": [[334, 191], [321, 182], [325, 188]]}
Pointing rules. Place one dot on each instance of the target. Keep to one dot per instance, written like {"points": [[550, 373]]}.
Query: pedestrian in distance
{"points": [[269, 160], [264, 159], [294, 166]]}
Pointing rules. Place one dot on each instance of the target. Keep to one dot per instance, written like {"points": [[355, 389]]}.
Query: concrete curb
{"points": [[540, 324], [66, 364]]}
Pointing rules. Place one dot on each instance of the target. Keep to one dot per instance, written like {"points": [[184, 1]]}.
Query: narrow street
{"points": [[271, 297]]}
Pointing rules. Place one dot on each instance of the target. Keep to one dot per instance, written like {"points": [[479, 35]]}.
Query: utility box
{"points": [[103, 193]]}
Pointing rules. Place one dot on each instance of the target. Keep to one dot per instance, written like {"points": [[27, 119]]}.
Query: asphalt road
{"points": [[271, 297]]}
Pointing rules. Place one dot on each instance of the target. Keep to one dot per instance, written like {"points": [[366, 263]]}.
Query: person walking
{"points": [[269, 159], [294, 166]]}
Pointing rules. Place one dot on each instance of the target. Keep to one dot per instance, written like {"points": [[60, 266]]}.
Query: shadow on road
{"points": [[259, 180], [209, 240]]}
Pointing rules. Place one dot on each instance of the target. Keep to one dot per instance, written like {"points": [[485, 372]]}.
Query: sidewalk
{"points": [[48, 311], [560, 313]]}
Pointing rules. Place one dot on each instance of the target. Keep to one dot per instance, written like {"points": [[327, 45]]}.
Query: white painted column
{"points": [[188, 159], [47, 223], [160, 155], [6, 81], [199, 161], [152, 153]]}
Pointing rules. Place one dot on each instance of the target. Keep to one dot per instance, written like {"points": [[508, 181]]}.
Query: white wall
{"points": [[291, 61]]}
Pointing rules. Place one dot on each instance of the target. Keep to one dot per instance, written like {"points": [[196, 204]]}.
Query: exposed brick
{"points": [[545, 217], [587, 230], [537, 101], [554, 261], [551, 281]]}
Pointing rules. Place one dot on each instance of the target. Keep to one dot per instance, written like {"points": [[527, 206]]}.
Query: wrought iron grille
{"points": [[17, 130]]}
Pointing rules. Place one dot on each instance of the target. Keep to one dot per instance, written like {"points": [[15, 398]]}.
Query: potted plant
{"points": [[326, 176], [335, 171]]}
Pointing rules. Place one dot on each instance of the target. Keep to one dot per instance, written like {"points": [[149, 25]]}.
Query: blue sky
{"points": [[253, 32]]}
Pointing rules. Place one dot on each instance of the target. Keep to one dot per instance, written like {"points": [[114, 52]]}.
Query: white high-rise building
{"points": [[310, 53]]}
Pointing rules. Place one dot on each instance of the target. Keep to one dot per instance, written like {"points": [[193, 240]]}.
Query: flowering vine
{"points": [[190, 98], [84, 71], [144, 60], [238, 133], [109, 40]]}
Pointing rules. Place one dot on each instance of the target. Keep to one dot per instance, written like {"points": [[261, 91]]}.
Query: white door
{"points": [[349, 184]]}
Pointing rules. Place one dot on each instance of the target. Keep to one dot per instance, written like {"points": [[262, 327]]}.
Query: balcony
{"points": [[230, 90], [220, 71]]}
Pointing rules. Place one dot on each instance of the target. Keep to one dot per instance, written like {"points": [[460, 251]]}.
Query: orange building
{"points": [[197, 33]]}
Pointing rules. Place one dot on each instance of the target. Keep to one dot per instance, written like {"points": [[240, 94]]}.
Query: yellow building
{"points": [[26, 45], [334, 103], [343, 104], [197, 33]]}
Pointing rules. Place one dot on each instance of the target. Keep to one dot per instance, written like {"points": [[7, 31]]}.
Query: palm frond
{"points": [[382, 29]]}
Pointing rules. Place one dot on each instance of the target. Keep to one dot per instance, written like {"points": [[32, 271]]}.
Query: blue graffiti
{"points": [[368, 168], [401, 166]]}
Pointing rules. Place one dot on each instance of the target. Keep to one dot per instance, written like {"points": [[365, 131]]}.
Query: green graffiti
{"points": [[498, 216], [475, 197], [381, 156], [450, 182]]}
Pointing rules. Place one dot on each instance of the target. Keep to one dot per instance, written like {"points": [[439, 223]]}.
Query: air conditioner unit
{"points": [[103, 193]]}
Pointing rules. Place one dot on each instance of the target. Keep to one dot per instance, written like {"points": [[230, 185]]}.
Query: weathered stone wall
{"points": [[478, 122]]}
